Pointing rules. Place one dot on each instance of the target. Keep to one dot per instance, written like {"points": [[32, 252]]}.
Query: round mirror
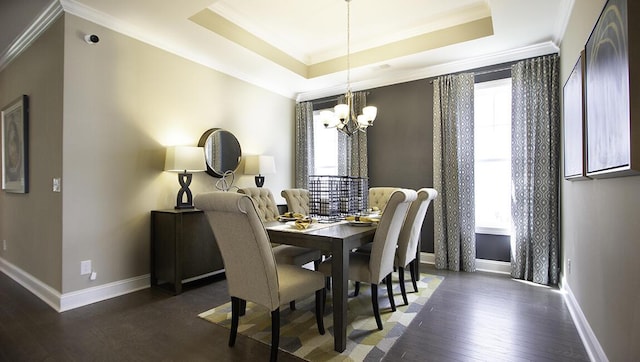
{"points": [[221, 151]]}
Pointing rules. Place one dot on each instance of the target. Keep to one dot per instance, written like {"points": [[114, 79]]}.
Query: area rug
{"points": [[299, 333]]}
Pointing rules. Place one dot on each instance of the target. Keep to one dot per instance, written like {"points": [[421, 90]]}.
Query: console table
{"points": [[182, 248]]}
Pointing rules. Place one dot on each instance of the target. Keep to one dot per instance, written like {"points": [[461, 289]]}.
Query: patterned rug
{"points": [[299, 333]]}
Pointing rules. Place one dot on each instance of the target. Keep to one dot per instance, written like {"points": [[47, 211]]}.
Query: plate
{"points": [[360, 223], [285, 219]]}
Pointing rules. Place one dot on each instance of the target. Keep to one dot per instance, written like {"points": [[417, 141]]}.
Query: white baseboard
{"points": [[91, 295], [43, 291], [72, 300], [491, 266], [591, 344]]}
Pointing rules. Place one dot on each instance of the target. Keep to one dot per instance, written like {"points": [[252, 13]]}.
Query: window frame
{"points": [[490, 230]]}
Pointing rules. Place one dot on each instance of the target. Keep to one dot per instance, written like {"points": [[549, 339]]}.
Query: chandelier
{"points": [[343, 116]]}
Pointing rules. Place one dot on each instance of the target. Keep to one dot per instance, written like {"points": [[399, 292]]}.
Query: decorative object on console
{"points": [[344, 117], [224, 184], [185, 160], [259, 165]]}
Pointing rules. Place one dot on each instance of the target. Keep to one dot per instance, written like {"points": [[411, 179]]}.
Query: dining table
{"points": [[338, 239]]}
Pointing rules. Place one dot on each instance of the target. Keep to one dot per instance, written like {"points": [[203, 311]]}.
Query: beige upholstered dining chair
{"points": [[268, 211], [377, 267], [251, 269], [408, 240], [284, 254], [297, 200], [379, 196]]}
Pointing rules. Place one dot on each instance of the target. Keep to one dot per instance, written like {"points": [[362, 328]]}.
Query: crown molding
{"points": [[531, 51], [42, 23], [58, 7]]}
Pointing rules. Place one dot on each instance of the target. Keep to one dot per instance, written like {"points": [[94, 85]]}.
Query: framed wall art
{"points": [[15, 138], [611, 119], [573, 112]]}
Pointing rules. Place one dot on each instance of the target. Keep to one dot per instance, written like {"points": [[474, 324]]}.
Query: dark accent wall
{"points": [[400, 144]]}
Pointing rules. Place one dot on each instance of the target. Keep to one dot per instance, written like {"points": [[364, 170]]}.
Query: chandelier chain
{"points": [[348, 45]]}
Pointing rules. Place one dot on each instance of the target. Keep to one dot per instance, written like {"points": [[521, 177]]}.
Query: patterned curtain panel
{"points": [[453, 172], [354, 147], [304, 144], [535, 150]]}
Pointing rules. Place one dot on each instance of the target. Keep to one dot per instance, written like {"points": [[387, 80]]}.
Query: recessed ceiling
{"points": [[298, 48]]}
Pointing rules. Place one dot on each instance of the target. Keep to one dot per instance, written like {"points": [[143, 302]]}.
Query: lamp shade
{"points": [[185, 158], [259, 165]]}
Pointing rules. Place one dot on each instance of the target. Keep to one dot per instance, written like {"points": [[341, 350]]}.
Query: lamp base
{"points": [[184, 179], [259, 180]]}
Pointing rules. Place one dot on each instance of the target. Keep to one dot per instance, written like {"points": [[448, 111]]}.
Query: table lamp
{"points": [[185, 160], [259, 166]]}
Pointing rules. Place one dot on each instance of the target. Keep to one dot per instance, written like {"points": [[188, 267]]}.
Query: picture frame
{"points": [[574, 100], [15, 150], [609, 138]]}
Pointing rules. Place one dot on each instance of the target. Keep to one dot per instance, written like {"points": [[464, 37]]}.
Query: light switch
{"points": [[56, 184]]}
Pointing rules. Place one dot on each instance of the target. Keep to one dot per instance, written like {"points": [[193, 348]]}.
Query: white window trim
{"points": [[493, 231], [487, 230]]}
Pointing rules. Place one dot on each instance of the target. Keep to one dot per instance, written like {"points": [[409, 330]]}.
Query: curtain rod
{"points": [[489, 71]]}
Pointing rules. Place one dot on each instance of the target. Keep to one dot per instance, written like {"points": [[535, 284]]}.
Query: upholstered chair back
{"points": [[383, 249], [250, 267], [264, 200], [297, 200], [410, 232], [379, 196]]}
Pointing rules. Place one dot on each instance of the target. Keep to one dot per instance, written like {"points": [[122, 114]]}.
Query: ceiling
{"points": [[298, 48]]}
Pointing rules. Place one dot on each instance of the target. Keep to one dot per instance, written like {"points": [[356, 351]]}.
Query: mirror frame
{"points": [[209, 134]]}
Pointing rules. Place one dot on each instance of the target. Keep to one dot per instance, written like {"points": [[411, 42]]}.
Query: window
{"points": [[325, 145], [492, 101]]}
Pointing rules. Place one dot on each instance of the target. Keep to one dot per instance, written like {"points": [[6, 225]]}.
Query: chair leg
{"points": [[390, 293], [414, 278], [402, 288], [374, 303], [235, 311], [292, 305], [324, 300], [357, 289], [275, 334], [243, 307], [320, 295]]}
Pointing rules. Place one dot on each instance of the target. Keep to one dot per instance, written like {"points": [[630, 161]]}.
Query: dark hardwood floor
{"points": [[470, 317]]}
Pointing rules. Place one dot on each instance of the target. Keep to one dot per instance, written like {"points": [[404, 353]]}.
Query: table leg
{"points": [[340, 280]]}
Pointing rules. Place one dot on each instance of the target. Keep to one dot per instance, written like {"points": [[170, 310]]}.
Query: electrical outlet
{"points": [[569, 266], [85, 267], [93, 276], [4, 245], [56, 184]]}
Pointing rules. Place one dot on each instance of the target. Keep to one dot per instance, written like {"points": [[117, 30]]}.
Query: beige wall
{"points": [[32, 223], [101, 117], [124, 102], [601, 232]]}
